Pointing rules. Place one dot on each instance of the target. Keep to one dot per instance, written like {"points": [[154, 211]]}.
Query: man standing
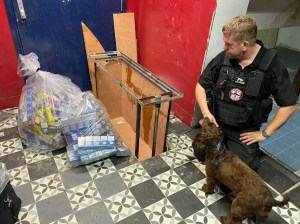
{"points": [[234, 90]]}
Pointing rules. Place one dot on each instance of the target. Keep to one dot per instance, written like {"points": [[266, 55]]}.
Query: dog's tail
{"points": [[273, 202]]}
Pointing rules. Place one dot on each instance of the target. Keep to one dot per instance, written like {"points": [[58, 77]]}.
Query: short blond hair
{"points": [[243, 28]]}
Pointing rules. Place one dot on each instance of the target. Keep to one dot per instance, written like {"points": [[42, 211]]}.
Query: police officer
{"points": [[234, 90]]}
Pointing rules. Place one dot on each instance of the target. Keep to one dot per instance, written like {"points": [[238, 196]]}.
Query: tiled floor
{"points": [[284, 145], [163, 189]]}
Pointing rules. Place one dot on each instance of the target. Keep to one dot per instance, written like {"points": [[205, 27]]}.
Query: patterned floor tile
{"points": [[35, 154], [8, 123], [101, 168], [19, 176], [70, 219], [205, 199], [83, 196], [122, 205], [162, 212], [61, 162], [174, 159], [47, 187], [134, 174], [290, 213], [204, 216], [169, 182], [10, 146], [28, 214]]}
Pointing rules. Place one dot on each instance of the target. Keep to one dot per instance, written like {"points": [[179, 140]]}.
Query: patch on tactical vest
{"points": [[239, 81], [235, 94]]}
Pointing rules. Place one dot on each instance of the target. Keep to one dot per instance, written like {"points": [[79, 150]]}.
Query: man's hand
{"points": [[211, 118], [252, 137]]}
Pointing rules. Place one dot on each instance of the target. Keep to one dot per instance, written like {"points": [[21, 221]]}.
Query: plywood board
{"points": [[125, 34], [108, 91], [128, 136], [92, 45]]}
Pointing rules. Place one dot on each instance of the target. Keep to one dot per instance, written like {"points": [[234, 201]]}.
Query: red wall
{"points": [[10, 83], [172, 41]]}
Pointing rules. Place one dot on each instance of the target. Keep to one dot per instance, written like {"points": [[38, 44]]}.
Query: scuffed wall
{"points": [[172, 41]]}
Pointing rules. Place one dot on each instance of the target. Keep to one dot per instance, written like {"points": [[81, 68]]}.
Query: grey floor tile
{"points": [[42, 168], [277, 176], [110, 184], [189, 173], [154, 166], [178, 128], [9, 133], [94, 214], [75, 176], [121, 162], [53, 208], [146, 193], [24, 192], [13, 160], [185, 202]]}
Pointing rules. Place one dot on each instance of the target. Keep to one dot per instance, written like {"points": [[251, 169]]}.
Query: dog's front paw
{"points": [[224, 220], [206, 190]]}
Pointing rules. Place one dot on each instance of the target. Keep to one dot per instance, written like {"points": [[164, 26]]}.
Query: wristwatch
{"points": [[265, 134]]}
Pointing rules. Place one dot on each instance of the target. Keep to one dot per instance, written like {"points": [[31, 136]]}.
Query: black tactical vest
{"points": [[236, 96]]}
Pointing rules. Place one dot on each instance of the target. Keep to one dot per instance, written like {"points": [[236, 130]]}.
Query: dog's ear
{"points": [[199, 150]]}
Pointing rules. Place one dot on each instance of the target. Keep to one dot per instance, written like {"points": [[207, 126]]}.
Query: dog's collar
{"points": [[219, 150]]}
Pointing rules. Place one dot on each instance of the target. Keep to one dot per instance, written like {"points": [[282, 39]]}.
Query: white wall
{"points": [[289, 37], [226, 9], [270, 14]]}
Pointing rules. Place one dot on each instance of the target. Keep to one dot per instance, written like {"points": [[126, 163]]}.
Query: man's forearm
{"points": [[281, 116], [201, 99]]}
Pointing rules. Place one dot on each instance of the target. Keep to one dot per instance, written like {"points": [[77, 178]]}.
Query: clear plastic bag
{"points": [[4, 177], [53, 112], [45, 97], [93, 121]]}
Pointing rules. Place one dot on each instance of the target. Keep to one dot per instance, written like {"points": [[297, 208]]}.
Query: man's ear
{"points": [[245, 45]]}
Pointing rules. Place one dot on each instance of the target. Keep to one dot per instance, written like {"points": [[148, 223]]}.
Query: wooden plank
{"points": [[125, 34], [92, 45]]}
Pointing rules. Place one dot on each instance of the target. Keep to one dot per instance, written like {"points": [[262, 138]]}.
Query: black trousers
{"points": [[250, 154]]}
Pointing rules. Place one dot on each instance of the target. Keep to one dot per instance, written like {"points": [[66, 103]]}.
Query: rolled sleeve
{"points": [[281, 87]]}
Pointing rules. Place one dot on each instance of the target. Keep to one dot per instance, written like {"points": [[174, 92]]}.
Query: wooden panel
{"points": [[120, 104], [108, 91], [92, 45], [125, 34]]}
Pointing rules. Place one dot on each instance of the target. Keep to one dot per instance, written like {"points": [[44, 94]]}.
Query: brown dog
{"points": [[253, 197]]}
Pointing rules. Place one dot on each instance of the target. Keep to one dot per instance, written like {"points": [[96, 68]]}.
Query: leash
{"points": [[219, 151]]}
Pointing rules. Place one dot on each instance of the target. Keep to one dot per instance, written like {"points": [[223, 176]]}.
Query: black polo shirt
{"points": [[277, 81]]}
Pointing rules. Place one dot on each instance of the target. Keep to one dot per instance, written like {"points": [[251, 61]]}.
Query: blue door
{"points": [[52, 30]]}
